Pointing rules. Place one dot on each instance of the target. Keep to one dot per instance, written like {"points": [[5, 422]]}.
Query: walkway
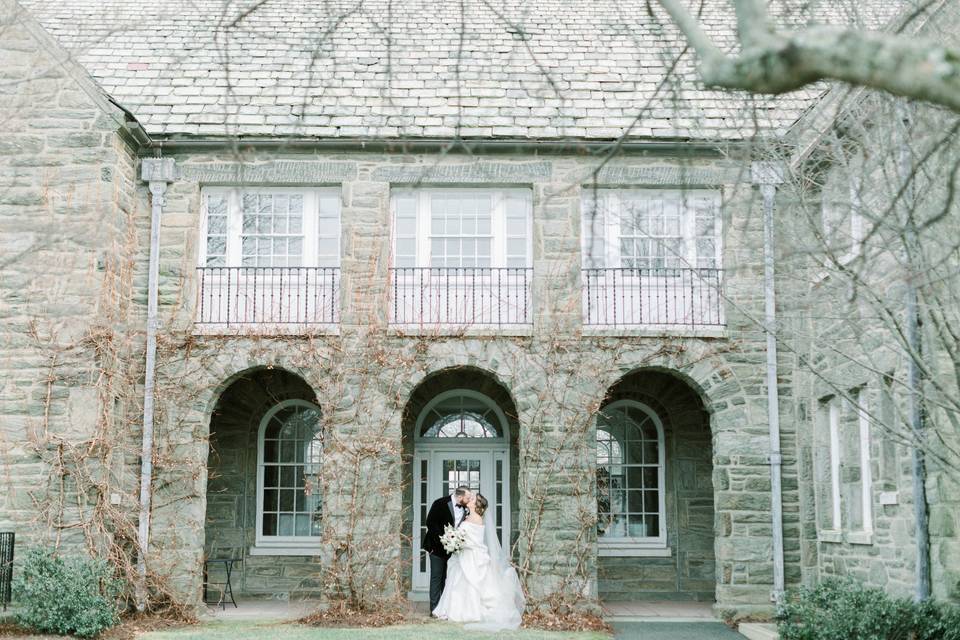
{"points": [[666, 621]]}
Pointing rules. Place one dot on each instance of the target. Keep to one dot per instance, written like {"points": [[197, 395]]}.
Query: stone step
{"points": [[759, 631]]}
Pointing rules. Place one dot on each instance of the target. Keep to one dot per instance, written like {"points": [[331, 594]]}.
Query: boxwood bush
{"points": [[65, 595], [843, 609]]}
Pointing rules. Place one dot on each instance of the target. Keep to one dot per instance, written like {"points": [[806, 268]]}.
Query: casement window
{"points": [[889, 427], [289, 455], [269, 256], [270, 227], [855, 472], [843, 473], [826, 460], [461, 258], [651, 229], [843, 221], [457, 228], [630, 479], [651, 258]]}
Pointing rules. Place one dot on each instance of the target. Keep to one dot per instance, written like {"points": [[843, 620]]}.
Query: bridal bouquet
{"points": [[453, 540]]}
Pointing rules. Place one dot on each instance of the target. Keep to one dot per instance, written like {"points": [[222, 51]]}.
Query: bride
{"points": [[482, 588]]}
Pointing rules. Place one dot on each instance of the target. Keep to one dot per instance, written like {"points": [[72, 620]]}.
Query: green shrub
{"points": [[843, 609], [75, 595]]}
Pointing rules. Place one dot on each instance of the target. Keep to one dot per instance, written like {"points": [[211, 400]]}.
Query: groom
{"points": [[445, 511]]}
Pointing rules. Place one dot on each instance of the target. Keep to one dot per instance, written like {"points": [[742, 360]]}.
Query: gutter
{"points": [[915, 375], [157, 173], [574, 146], [768, 176]]}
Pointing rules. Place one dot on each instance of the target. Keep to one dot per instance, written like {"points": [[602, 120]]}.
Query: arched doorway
{"points": [[655, 498], [264, 503], [460, 426]]}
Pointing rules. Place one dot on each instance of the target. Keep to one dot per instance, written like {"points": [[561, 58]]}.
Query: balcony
{"points": [[425, 298], [267, 299], [667, 298]]}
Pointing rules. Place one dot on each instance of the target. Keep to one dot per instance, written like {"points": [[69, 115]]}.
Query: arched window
{"points": [[462, 414], [290, 448], [630, 476]]}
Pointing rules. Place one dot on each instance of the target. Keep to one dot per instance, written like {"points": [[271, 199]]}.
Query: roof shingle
{"points": [[407, 68]]}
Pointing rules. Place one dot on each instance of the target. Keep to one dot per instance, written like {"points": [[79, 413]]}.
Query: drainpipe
{"points": [[915, 376], [768, 175], [157, 173]]}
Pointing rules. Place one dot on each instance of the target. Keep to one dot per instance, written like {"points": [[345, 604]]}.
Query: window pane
{"points": [[269, 524], [286, 524], [270, 500], [291, 438], [216, 245], [406, 246]]}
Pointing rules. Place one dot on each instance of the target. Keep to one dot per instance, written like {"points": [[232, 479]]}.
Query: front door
{"points": [[437, 473]]}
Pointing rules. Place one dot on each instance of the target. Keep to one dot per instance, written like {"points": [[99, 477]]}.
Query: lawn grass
{"points": [[224, 630]]}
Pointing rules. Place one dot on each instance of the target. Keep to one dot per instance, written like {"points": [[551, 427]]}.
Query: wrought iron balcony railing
{"points": [[625, 297], [461, 296], [284, 297]]}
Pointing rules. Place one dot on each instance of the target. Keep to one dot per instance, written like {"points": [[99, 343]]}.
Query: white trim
{"points": [[310, 229], [287, 550], [866, 472], [608, 206], [465, 443], [650, 542], [632, 551], [834, 426], [498, 225], [278, 543]]}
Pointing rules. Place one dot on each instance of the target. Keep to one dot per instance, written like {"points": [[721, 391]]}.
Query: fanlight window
{"points": [[630, 472], [291, 448], [462, 415]]}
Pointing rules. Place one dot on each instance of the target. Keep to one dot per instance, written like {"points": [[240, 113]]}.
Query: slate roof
{"points": [[591, 69]]}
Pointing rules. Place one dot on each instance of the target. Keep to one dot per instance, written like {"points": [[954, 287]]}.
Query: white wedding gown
{"points": [[482, 589]]}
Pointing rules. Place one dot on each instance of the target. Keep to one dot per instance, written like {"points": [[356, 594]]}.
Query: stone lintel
{"points": [[476, 172], [270, 172], [669, 176]]}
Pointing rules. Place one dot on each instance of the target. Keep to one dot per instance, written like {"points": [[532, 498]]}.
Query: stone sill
{"points": [[265, 330], [657, 332], [830, 536], [634, 552], [291, 550], [860, 537], [460, 331]]}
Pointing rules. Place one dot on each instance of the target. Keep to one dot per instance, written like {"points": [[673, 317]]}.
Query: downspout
{"points": [[915, 376], [768, 176], [157, 173]]}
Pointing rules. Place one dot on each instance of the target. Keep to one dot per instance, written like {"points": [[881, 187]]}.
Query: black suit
{"points": [[440, 514]]}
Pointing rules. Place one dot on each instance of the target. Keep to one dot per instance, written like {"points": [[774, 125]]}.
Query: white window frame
{"points": [[650, 545], [498, 221], [311, 221], [278, 545], [484, 399], [864, 535], [835, 219], [834, 533], [607, 203]]}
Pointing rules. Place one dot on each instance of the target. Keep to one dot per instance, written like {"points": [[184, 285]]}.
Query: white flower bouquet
{"points": [[453, 540]]}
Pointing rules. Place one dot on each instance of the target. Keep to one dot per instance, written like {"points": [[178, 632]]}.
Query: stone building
{"points": [[395, 252]]}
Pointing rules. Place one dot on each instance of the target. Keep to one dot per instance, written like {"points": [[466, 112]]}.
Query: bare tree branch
{"points": [[777, 61]]}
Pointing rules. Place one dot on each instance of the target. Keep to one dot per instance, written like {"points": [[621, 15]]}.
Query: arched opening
{"points": [[459, 428], [264, 501], [655, 500]]}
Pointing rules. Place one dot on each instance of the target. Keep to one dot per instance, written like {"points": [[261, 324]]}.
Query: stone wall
{"points": [[690, 570], [68, 210], [557, 375], [844, 299]]}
